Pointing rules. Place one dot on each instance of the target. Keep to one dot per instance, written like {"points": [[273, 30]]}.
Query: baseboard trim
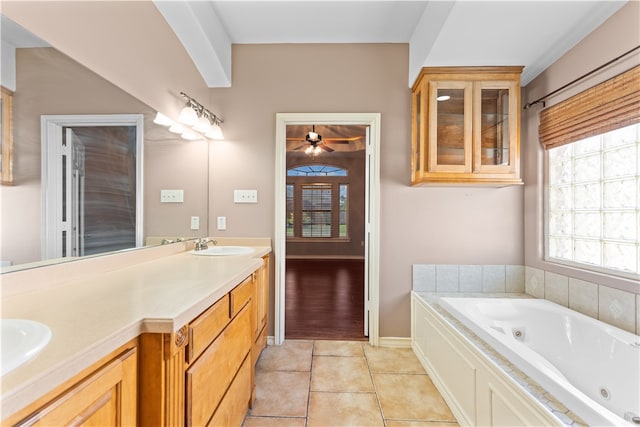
{"points": [[396, 342]]}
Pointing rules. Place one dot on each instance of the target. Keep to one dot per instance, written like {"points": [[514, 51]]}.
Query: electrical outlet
{"points": [[195, 223], [245, 196], [222, 223], [171, 196]]}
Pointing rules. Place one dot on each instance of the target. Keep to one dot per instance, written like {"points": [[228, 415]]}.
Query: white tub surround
{"points": [[586, 364], [480, 386], [96, 305]]}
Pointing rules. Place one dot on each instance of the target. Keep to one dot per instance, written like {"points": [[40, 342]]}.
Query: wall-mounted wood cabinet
{"points": [[466, 126]]}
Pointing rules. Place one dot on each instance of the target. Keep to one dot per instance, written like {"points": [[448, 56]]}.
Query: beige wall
{"points": [[49, 82], [418, 225], [126, 42], [614, 37]]}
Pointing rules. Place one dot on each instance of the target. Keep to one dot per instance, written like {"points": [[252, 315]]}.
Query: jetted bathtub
{"points": [[591, 367]]}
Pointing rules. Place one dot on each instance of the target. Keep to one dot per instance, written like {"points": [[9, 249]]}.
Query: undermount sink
{"points": [[224, 251], [20, 340]]}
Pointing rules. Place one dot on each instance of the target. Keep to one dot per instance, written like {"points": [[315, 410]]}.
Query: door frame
{"points": [[51, 146], [372, 211]]}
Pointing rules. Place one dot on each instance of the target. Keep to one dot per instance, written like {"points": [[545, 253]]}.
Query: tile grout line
{"points": [[375, 387], [313, 349]]}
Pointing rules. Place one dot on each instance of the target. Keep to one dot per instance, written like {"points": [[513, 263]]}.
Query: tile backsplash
{"points": [[468, 278], [612, 306]]}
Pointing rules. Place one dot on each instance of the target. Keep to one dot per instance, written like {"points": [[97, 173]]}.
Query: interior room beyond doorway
{"points": [[325, 231]]}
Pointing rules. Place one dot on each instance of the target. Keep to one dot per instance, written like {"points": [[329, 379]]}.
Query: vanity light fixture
{"points": [[162, 120], [196, 122]]}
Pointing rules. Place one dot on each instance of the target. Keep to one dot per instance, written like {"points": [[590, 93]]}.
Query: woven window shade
{"points": [[607, 106]]}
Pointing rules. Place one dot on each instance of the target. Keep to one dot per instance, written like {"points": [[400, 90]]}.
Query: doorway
{"points": [[369, 246], [324, 286], [92, 187]]}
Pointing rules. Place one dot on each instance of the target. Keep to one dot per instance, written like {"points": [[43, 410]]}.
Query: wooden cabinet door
{"points": [[208, 378], [495, 126], [450, 126], [106, 398]]}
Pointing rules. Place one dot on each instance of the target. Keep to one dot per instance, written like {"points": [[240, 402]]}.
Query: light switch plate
{"points": [[195, 223], [245, 196], [222, 223], [171, 196]]}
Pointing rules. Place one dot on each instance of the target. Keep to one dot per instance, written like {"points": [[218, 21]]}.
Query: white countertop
{"points": [[91, 316]]}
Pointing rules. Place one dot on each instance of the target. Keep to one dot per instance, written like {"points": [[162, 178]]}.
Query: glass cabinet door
{"points": [[494, 126], [450, 124]]}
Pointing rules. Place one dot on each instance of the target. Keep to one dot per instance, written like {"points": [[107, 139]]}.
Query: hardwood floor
{"points": [[324, 299]]}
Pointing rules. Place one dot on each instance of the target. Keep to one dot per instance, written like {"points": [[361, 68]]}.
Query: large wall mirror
{"points": [[48, 83]]}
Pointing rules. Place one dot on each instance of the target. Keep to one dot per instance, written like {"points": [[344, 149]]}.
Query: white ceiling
{"points": [[441, 32]]}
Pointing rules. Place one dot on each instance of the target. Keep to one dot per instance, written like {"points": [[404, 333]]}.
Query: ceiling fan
{"points": [[315, 143]]}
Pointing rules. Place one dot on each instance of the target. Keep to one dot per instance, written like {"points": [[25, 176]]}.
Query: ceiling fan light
{"points": [[188, 116]]}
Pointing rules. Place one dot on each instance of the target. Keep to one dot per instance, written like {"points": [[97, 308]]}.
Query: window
{"points": [[317, 202], [593, 185], [316, 210], [593, 211]]}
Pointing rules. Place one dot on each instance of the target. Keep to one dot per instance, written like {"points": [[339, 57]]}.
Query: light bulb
{"points": [[443, 98], [190, 135], [317, 150], [309, 150], [203, 125], [188, 116], [176, 128], [163, 120], [215, 132]]}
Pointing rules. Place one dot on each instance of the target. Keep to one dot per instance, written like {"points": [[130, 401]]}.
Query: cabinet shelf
{"points": [[472, 138]]}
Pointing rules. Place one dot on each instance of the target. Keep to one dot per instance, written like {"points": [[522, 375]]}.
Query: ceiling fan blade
{"points": [[346, 138], [298, 147], [336, 141], [326, 148]]}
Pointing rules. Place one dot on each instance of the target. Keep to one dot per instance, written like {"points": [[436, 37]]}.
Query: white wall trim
{"points": [[373, 121], [395, 342], [51, 132]]}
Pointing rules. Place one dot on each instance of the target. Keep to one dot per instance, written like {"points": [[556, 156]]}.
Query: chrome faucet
{"points": [[201, 244]]}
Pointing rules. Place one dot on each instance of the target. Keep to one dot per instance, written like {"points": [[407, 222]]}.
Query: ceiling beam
{"points": [[204, 37], [425, 35]]}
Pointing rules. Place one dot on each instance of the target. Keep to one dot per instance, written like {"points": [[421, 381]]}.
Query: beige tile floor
{"points": [[344, 383]]}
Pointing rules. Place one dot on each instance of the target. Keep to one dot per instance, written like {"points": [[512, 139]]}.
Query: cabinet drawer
{"points": [[209, 377], [234, 405], [240, 295], [207, 327]]}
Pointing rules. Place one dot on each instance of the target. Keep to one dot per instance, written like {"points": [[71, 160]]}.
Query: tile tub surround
{"points": [[468, 278], [117, 297], [340, 383], [615, 307]]}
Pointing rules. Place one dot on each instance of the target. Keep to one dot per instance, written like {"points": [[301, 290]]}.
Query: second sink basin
{"points": [[224, 251], [21, 340]]}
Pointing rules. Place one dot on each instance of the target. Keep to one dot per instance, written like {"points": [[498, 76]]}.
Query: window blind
{"points": [[610, 105]]}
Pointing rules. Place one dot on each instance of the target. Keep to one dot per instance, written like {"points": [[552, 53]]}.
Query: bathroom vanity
{"points": [[161, 337]]}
